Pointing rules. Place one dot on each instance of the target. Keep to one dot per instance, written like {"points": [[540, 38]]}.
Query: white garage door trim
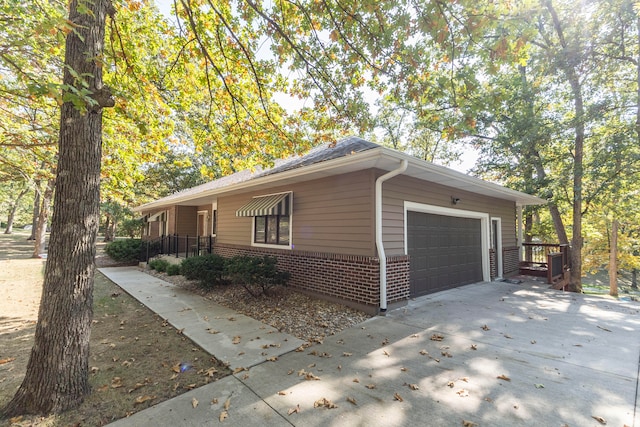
{"points": [[485, 223]]}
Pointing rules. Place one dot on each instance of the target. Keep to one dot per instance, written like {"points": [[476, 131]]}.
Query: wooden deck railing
{"points": [[550, 260]]}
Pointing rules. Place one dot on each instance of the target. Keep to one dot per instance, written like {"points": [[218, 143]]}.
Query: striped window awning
{"points": [[275, 204]]}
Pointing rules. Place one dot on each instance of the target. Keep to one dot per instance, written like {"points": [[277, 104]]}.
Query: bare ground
{"points": [[136, 359]]}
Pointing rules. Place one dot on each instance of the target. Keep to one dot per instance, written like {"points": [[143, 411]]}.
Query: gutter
{"points": [[382, 256]]}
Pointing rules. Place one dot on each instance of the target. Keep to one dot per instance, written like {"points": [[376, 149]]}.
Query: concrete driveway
{"points": [[489, 354]]}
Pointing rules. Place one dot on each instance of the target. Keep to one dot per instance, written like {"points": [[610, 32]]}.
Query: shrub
{"points": [[173, 269], [208, 270], [256, 274], [159, 265], [127, 250]]}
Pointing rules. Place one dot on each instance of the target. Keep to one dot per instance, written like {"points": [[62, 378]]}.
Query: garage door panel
{"points": [[445, 251]]}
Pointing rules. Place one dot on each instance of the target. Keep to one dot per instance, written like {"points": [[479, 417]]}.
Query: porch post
{"points": [[520, 228]]}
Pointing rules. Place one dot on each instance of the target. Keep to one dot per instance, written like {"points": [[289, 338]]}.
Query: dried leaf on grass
{"points": [[116, 382], [141, 399]]}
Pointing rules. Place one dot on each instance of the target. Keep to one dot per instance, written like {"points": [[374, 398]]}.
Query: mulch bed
{"points": [[305, 317]]}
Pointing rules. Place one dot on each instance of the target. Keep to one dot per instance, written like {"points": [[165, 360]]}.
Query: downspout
{"points": [[379, 244]]}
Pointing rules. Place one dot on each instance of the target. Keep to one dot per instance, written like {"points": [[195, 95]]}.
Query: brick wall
{"points": [[351, 279], [511, 260]]}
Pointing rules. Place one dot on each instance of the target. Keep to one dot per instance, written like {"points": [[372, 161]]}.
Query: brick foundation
{"points": [[350, 279]]}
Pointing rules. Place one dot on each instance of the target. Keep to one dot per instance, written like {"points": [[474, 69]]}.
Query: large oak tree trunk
{"points": [[57, 372]]}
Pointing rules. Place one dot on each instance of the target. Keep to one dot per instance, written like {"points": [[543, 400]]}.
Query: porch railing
{"points": [[550, 260], [178, 246]]}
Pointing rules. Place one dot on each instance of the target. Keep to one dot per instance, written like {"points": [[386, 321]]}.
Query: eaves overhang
{"points": [[381, 158]]}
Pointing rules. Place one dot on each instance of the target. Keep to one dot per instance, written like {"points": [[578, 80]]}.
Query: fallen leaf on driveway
{"points": [[486, 328], [345, 354], [474, 346], [397, 397], [386, 353], [424, 352], [466, 423], [227, 404], [294, 410], [462, 393], [324, 403], [236, 340], [599, 419], [606, 330], [194, 402], [437, 337], [539, 385], [412, 386], [370, 386], [352, 400], [503, 377], [7, 360], [272, 359], [282, 393], [223, 416]]}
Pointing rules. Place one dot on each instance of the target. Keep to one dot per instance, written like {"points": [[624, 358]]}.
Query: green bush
{"points": [[173, 269], [124, 250], [208, 270], [256, 274], [159, 264]]}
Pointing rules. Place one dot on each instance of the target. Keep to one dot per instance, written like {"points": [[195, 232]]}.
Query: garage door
{"points": [[445, 251]]}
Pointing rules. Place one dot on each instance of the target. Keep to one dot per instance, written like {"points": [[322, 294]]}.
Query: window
{"points": [[271, 223], [271, 229]]}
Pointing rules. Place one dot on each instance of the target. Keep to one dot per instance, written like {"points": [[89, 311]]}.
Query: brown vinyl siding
{"points": [[331, 215], [404, 188]]}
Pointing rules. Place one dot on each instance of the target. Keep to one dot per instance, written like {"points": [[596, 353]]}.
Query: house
{"points": [[356, 222]]}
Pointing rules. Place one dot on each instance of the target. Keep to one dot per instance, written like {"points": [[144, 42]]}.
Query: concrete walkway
{"points": [[493, 354]]}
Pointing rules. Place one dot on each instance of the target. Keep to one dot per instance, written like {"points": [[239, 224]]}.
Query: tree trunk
{"points": [[108, 235], [40, 235], [567, 63], [36, 211], [12, 211], [613, 260], [57, 372]]}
